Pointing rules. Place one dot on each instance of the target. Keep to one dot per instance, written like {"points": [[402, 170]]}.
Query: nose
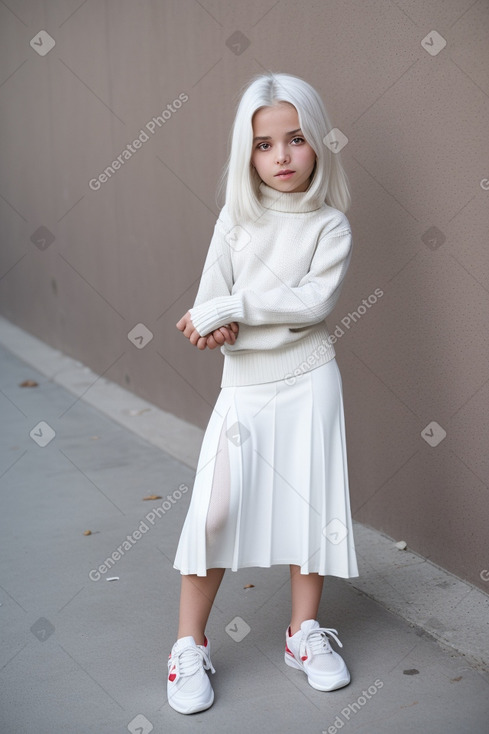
{"points": [[282, 155]]}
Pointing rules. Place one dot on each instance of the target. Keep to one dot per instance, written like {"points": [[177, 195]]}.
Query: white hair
{"points": [[239, 178]]}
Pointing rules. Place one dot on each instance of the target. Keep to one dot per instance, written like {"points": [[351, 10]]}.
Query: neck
{"points": [[281, 201]]}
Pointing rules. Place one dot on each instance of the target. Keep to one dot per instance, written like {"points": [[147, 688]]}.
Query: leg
{"points": [[196, 598], [306, 592], [198, 592]]}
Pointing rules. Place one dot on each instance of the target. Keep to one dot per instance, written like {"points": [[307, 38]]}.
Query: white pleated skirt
{"points": [[271, 485]]}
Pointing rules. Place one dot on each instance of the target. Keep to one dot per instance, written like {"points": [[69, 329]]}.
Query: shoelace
{"points": [[188, 661], [317, 640]]}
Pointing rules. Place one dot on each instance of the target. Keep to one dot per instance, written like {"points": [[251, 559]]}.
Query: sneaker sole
{"points": [[340, 683], [191, 709]]}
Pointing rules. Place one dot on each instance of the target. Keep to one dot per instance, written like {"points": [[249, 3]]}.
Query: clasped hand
{"points": [[227, 333]]}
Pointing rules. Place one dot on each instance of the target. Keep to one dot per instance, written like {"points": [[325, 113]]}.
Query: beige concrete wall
{"points": [[415, 111]]}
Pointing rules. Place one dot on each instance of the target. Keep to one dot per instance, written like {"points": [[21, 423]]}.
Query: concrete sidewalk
{"points": [[82, 653]]}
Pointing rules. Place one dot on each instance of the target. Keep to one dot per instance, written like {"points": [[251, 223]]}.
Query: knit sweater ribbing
{"points": [[278, 277]]}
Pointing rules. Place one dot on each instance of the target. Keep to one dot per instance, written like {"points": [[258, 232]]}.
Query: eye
{"points": [[259, 146], [301, 140]]}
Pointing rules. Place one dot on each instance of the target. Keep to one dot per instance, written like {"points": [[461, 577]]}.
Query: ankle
{"points": [[296, 626], [198, 636]]}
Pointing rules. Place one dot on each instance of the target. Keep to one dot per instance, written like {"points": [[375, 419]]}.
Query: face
{"points": [[279, 145]]}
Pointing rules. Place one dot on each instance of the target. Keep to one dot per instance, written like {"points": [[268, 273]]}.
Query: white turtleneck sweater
{"points": [[278, 278]]}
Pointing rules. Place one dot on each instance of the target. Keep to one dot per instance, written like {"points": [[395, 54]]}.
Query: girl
{"points": [[272, 481]]}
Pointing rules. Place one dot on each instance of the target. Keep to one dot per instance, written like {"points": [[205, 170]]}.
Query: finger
{"points": [[181, 324], [211, 342], [218, 336], [194, 337], [225, 331], [189, 329], [229, 335], [202, 343]]}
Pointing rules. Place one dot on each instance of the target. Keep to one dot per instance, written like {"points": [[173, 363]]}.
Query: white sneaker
{"points": [[188, 686], [309, 650]]}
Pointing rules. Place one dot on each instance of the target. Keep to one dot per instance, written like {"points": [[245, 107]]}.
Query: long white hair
{"points": [[240, 180]]}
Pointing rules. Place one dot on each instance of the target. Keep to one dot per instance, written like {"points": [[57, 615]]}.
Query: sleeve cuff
{"points": [[216, 312]]}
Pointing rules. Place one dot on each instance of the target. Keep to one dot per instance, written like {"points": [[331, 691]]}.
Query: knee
{"points": [[214, 526]]}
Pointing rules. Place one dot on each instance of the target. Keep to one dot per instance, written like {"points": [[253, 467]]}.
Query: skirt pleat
{"points": [[283, 447]]}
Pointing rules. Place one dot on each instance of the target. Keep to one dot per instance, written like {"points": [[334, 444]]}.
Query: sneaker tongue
{"points": [[309, 624], [184, 642]]}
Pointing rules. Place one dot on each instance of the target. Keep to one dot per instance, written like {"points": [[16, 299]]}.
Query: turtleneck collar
{"points": [[286, 202]]}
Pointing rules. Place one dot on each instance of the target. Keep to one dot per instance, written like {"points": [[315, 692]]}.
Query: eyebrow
{"points": [[269, 137]]}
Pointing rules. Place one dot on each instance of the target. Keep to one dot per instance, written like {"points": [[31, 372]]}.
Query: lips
{"points": [[284, 173]]}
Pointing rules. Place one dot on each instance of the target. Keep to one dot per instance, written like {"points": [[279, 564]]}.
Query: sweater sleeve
{"points": [[217, 276], [306, 304]]}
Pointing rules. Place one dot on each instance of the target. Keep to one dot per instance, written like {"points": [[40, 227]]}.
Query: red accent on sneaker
{"points": [[172, 675], [289, 652], [304, 657]]}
